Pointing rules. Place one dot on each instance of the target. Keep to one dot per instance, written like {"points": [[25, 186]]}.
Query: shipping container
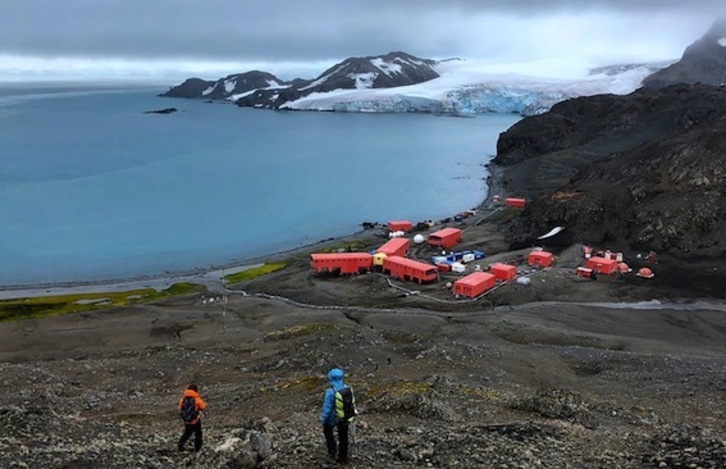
{"points": [[400, 225], [409, 270], [540, 258], [445, 238], [343, 262], [474, 284], [504, 272]]}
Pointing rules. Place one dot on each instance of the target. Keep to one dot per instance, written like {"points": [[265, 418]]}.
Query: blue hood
{"points": [[335, 376]]}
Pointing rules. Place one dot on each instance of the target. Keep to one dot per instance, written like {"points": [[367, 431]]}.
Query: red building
{"points": [[503, 272], [409, 270], [400, 225], [540, 258], [343, 262], [445, 238], [395, 247], [514, 202], [474, 284], [602, 265]]}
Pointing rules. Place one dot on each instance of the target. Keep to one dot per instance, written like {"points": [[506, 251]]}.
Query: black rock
{"points": [[168, 110]]}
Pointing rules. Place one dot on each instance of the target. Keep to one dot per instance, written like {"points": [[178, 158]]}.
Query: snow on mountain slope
{"points": [[464, 88]]}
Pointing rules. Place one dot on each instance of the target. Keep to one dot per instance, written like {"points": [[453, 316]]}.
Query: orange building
{"points": [[445, 238], [540, 258], [343, 262], [400, 225], [514, 202], [474, 284], [395, 247], [409, 270], [602, 265], [503, 272]]}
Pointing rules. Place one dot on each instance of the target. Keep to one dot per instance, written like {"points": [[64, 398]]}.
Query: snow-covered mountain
{"points": [[464, 89], [400, 82]]}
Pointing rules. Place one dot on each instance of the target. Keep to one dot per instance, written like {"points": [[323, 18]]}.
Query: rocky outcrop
{"points": [[227, 87], [704, 61], [644, 171], [264, 90]]}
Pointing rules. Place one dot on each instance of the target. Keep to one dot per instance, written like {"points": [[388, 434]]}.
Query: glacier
{"points": [[465, 90]]}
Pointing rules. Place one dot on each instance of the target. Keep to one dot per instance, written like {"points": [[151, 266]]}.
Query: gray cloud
{"points": [[294, 30]]}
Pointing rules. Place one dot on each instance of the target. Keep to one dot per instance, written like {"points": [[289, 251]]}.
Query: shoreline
{"points": [[208, 276]]}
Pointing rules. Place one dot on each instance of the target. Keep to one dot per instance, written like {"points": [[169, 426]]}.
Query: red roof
{"points": [[393, 245], [474, 279], [409, 263], [444, 232]]}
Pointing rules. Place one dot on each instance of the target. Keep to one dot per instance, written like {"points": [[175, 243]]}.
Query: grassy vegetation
{"points": [[297, 331], [485, 394], [398, 389], [255, 272], [306, 383], [46, 306]]}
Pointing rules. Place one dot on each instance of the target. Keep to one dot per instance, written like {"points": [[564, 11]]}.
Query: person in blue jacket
{"points": [[330, 420]]}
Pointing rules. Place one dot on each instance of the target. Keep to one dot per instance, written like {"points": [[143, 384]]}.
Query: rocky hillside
{"points": [[264, 90], [704, 61], [536, 387], [644, 171]]}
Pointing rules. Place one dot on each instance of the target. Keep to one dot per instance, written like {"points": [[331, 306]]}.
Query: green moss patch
{"points": [[46, 306], [485, 394], [398, 389], [297, 331], [305, 383], [255, 272]]}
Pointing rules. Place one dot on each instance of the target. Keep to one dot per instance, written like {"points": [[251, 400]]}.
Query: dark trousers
{"points": [[342, 436], [188, 430]]}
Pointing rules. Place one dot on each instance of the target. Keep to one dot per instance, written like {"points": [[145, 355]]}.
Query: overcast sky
{"points": [[302, 37]]}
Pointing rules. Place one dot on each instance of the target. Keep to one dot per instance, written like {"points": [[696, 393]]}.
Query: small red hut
{"points": [[400, 225], [504, 272], [514, 202], [602, 265], [409, 270], [395, 247], [474, 284], [342, 262], [540, 258], [445, 238]]}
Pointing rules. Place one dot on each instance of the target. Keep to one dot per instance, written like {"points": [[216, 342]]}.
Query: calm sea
{"points": [[93, 188]]}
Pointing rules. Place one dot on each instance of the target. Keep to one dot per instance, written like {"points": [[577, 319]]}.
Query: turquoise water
{"points": [[92, 188]]}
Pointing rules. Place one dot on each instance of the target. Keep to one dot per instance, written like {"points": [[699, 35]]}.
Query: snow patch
{"points": [[208, 90], [237, 96], [320, 80], [274, 85], [386, 67], [363, 80], [230, 85], [722, 42]]}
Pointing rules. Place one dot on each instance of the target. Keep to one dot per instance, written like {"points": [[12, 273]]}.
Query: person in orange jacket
{"points": [[191, 406]]}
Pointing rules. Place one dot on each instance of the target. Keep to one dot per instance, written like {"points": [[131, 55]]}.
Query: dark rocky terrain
{"points": [[637, 172], [264, 90], [704, 61]]}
